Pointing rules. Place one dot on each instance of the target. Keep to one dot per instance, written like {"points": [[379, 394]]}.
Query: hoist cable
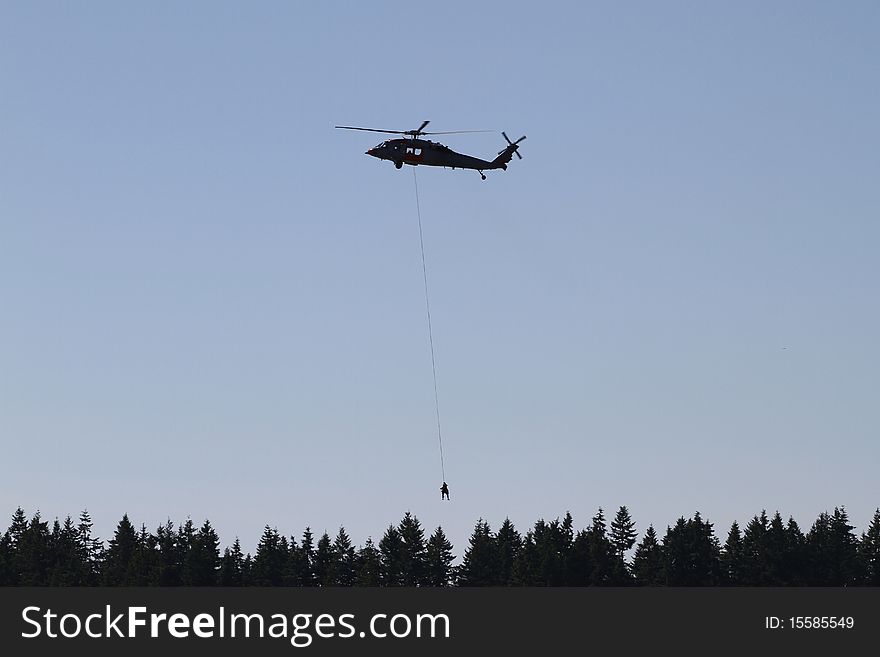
{"points": [[430, 331]]}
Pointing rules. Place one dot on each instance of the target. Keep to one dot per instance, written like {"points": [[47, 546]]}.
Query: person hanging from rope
{"points": [[444, 491]]}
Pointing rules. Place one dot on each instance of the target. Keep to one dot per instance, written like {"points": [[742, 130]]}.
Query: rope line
{"points": [[430, 331]]}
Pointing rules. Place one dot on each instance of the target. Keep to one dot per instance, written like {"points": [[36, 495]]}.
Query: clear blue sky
{"points": [[212, 301]]}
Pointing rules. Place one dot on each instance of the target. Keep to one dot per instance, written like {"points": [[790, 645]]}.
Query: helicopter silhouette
{"points": [[415, 151]]}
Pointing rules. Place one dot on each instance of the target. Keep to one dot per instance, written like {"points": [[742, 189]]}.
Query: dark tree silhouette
{"points": [[232, 565], [118, 566], [691, 554], [479, 566], [269, 560], [438, 560], [622, 538], [391, 558], [369, 566], [768, 552], [324, 558], [413, 551], [732, 557], [870, 551], [508, 544], [344, 568], [648, 560]]}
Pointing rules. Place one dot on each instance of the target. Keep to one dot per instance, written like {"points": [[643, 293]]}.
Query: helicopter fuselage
{"points": [[429, 153]]}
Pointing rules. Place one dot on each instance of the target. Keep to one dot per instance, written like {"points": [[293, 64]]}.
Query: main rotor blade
{"points": [[455, 132], [390, 132], [421, 127]]}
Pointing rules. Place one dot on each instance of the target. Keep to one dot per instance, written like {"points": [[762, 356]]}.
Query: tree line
{"points": [[767, 552]]}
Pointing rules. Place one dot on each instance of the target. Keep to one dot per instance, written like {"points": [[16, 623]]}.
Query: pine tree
{"points": [[6, 556], [623, 537], [832, 551], [869, 548], [231, 565], [732, 557], [90, 549], [796, 562], [306, 559], [34, 556], [756, 565], [67, 569], [439, 558], [600, 551], [778, 553], [14, 533], [145, 565], [169, 555], [413, 551], [343, 572], [186, 538], [324, 560], [390, 558], [480, 565], [269, 560], [580, 562], [691, 554], [368, 564], [202, 563], [508, 543], [118, 566], [648, 560]]}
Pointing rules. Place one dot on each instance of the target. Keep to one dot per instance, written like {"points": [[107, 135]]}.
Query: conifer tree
{"points": [[202, 564], [90, 549], [146, 562], [480, 565], [18, 527], [508, 543], [343, 571], [186, 538], [413, 551], [306, 560], [691, 554], [6, 560], [34, 553], [231, 565], [622, 538], [67, 569], [580, 562], [648, 560], [269, 560], [439, 558], [756, 565], [600, 551], [118, 564], [169, 555], [832, 551], [796, 551], [869, 548], [732, 557], [324, 561], [390, 558], [368, 565]]}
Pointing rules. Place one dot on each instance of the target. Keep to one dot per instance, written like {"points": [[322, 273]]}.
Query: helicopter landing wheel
{"points": [[398, 165], [482, 175]]}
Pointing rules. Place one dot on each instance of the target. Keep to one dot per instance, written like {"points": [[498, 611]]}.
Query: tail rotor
{"points": [[512, 145]]}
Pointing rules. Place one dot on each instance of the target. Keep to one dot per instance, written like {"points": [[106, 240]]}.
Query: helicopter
{"points": [[414, 151]]}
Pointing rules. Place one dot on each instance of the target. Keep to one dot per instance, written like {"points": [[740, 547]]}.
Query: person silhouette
{"points": [[444, 491]]}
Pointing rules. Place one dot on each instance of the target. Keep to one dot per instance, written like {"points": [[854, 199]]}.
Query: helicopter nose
{"points": [[374, 152]]}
